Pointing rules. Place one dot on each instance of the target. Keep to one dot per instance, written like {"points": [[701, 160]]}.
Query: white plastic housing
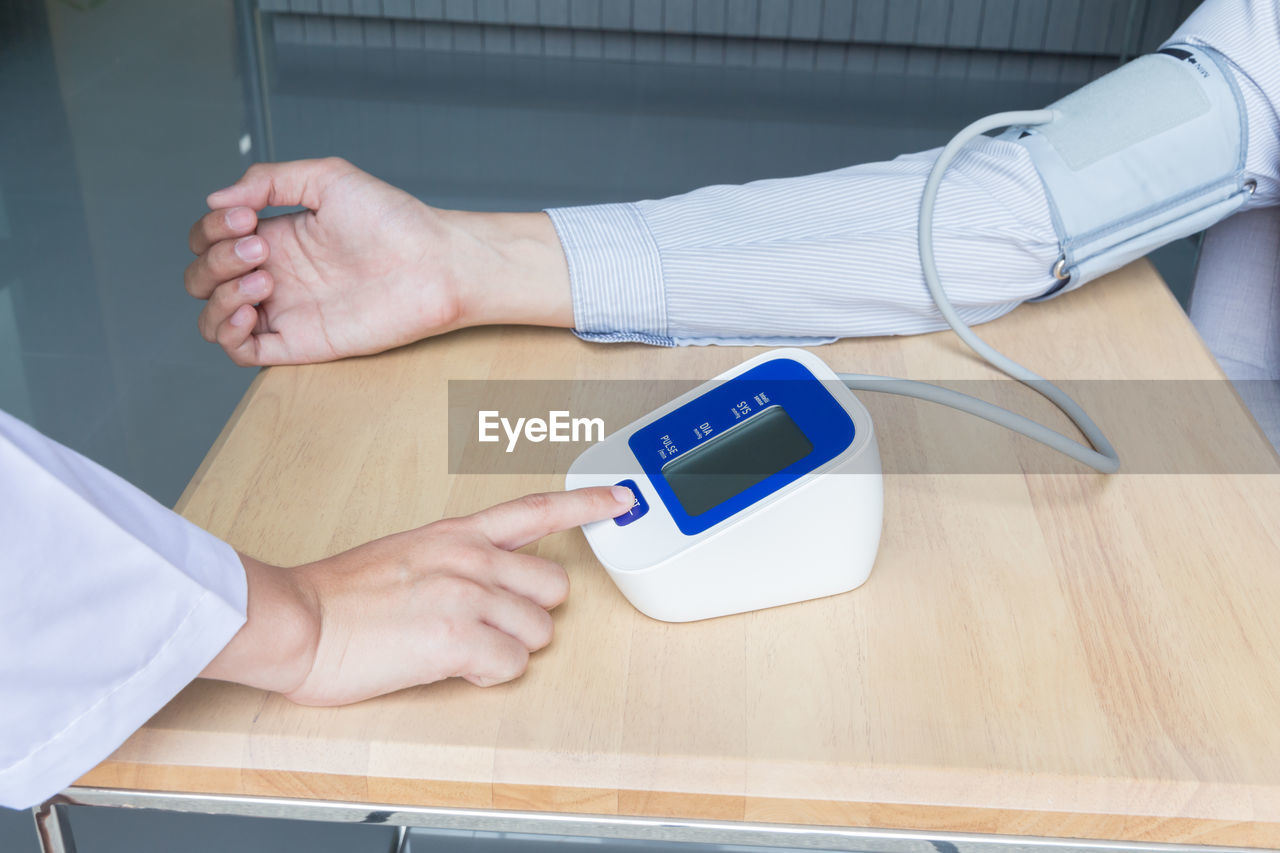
{"points": [[814, 537]]}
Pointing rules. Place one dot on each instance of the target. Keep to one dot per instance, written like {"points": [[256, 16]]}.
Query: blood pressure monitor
{"points": [[758, 488]]}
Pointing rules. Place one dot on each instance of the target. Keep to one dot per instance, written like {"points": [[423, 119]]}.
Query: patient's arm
{"points": [[808, 259]]}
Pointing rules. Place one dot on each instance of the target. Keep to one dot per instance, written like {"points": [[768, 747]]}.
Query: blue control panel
{"points": [[781, 383]]}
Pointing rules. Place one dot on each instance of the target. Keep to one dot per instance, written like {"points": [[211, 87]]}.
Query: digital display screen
{"points": [[734, 461]]}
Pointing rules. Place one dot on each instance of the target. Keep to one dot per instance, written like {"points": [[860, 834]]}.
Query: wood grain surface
{"points": [[1038, 651]]}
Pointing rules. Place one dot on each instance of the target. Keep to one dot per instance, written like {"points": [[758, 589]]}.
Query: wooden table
{"points": [[1036, 653]]}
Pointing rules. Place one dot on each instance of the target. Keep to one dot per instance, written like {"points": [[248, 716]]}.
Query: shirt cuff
{"points": [[615, 274]]}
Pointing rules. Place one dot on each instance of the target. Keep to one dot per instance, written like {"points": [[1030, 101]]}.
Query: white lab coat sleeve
{"points": [[811, 259], [109, 605]]}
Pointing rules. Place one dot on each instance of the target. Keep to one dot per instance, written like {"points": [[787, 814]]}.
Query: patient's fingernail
{"points": [[250, 249], [254, 285], [623, 495], [243, 315], [239, 219]]}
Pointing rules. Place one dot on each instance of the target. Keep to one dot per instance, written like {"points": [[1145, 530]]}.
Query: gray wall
{"points": [[1068, 41]]}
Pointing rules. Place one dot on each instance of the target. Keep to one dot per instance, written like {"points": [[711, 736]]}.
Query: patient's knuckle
{"points": [[223, 260]]}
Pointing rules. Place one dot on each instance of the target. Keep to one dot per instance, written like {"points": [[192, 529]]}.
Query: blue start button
{"points": [[638, 508]]}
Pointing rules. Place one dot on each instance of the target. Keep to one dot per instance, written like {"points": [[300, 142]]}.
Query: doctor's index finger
{"points": [[295, 182], [516, 523]]}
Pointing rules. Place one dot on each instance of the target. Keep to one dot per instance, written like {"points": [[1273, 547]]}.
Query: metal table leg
{"points": [[52, 827]]}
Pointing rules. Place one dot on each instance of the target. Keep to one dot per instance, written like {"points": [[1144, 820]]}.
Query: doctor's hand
{"points": [[448, 599], [364, 267]]}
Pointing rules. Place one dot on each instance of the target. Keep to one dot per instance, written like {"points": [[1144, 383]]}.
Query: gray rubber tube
{"points": [[1101, 456]]}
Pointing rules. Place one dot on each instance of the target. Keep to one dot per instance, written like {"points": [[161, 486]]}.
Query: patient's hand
{"points": [[364, 268]]}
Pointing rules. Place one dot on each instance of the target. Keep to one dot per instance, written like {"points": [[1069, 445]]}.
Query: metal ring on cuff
{"points": [[1060, 270]]}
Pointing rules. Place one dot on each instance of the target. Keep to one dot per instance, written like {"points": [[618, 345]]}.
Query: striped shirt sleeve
{"points": [[811, 259]]}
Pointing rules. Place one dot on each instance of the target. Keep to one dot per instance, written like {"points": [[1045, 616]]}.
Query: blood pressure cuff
{"points": [[1149, 153]]}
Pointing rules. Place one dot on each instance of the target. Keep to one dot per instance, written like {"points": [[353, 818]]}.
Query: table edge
{"points": [[387, 793]]}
